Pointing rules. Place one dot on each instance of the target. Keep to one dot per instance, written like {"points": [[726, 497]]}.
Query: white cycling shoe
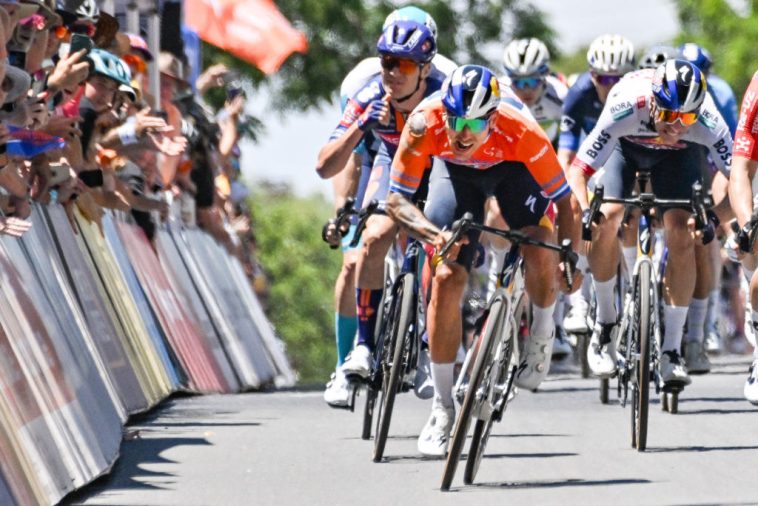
{"points": [[673, 371], [602, 357], [337, 393], [696, 359], [358, 363], [435, 436], [575, 321], [535, 362], [751, 384]]}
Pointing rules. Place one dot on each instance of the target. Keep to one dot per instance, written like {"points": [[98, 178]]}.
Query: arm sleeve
{"points": [[410, 161], [352, 112], [745, 140]]}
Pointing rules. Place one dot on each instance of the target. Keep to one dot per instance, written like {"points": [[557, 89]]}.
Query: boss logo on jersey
{"points": [[567, 123], [723, 150], [598, 144]]}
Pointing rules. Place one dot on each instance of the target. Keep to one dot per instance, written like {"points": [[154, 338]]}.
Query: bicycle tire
{"points": [[368, 413], [605, 386], [401, 319], [643, 365], [496, 314]]}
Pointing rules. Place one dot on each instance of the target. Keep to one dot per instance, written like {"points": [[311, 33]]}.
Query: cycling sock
{"points": [[630, 257], [368, 306], [560, 310], [711, 312], [586, 291], [606, 307], [696, 320], [747, 273], [345, 328], [673, 319], [543, 325], [443, 377]]}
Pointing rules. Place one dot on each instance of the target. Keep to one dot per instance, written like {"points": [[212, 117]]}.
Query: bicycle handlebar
{"points": [[747, 235], [700, 204], [466, 223], [339, 221]]}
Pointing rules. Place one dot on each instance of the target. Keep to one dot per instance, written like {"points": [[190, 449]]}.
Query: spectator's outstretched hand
{"points": [[61, 126], [169, 146], [145, 123], [70, 72], [14, 227], [212, 77]]}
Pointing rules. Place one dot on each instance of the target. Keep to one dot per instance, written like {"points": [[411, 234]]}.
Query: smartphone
{"points": [[60, 172], [79, 42]]}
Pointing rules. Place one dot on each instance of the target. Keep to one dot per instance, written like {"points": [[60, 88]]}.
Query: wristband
{"points": [[128, 134]]}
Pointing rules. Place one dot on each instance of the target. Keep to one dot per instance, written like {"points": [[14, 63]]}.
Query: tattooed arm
{"points": [[411, 218]]}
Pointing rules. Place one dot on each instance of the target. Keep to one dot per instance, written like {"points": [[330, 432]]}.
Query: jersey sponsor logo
{"points": [[539, 155], [708, 119], [641, 102], [723, 150], [655, 142], [754, 127], [567, 123], [531, 200], [742, 145], [598, 144], [620, 107], [622, 114], [368, 93]]}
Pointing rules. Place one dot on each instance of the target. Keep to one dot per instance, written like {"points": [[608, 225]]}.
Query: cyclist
{"points": [[527, 72], [406, 48], [726, 103], [482, 147], [609, 57], [655, 120], [743, 196], [655, 56]]}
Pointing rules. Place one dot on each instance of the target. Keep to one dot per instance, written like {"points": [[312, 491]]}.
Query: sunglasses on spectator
{"points": [[606, 80], [526, 82], [671, 117], [404, 65], [87, 29], [61, 32], [475, 125], [136, 63]]}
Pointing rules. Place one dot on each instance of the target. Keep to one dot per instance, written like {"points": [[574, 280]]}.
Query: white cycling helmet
{"points": [[611, 55], [526, 57], [655, 56]]}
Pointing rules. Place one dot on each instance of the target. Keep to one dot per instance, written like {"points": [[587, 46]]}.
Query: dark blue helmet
{"points": [[697, 55], [408, 39]]}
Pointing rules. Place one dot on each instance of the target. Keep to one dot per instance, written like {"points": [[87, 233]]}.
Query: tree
{"points": [[342, 32], [301, 271], [729, 37]]}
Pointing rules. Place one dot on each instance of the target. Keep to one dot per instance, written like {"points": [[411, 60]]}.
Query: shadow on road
{"points": [[544, 455], [555, 484], [690, 449]]}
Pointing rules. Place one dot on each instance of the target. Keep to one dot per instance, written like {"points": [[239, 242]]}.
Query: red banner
{"points": [[253, 30]]}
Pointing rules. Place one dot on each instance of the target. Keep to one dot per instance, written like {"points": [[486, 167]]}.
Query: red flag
{"points": [[253, 30]]}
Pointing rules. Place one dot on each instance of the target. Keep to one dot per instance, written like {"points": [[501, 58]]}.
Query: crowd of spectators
{"points": [[78, 126]]}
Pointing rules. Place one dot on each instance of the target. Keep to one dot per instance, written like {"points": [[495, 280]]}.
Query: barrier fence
{"points": [[97, 324]]}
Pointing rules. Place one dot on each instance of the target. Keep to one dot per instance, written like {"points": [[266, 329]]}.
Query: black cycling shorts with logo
{"points": [[456, 189]]}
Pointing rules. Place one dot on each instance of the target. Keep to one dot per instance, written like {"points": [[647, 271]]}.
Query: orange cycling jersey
{"points": [[745, 144], [513, 137]]}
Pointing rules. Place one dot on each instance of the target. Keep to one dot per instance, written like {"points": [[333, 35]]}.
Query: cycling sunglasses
{"points": [[87, 29], [606, 80], [671, 117], [475, 125], [61, 32], [136, 63], [526, 82], [404, 65]]}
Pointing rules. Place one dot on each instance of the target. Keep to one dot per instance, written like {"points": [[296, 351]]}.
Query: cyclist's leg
{"points": [[451, 194]]}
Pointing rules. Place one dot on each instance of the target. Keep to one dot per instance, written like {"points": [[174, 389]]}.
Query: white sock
{"points": [[542, 321], [673, 318], [560, 310], [747, 273], [606, 304], [712, 311], [630, 257], [696, 320], [443, 377]]}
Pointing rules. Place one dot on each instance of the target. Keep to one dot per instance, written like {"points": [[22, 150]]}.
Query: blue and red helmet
{"points": [[471, 91], [679, 85], [408, 39], [697, 55]]}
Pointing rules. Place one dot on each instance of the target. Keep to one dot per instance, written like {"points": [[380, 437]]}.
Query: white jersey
{"points": [[626, 115], [368, 68], [549, 108]]}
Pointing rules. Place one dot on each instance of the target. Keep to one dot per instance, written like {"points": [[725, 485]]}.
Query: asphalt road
{"points": [[558, 446]]}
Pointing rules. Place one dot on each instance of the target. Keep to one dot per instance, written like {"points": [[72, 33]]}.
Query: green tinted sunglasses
{"points": [[476, 125]]}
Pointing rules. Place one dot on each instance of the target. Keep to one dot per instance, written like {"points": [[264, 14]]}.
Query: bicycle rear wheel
{"points": [[490, 333], [393, 364], [368, 412], [641, 390]]}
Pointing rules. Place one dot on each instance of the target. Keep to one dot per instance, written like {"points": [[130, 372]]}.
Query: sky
{"points": [[288, 150]]}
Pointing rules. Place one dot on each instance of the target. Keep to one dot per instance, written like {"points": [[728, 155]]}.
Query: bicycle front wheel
{"points": [[641, 394], [401, 318], [491, 331]]}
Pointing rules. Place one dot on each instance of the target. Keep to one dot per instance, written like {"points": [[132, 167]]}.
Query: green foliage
{"points": [[301, 271], [342, 32], [574, 63], [731, 39]]}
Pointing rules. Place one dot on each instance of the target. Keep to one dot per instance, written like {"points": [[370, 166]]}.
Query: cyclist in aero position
{"points": [[351, 180], [609, 57], [743, 194], [406, 48], [527, 73], [482, 147], [655, 120]]}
